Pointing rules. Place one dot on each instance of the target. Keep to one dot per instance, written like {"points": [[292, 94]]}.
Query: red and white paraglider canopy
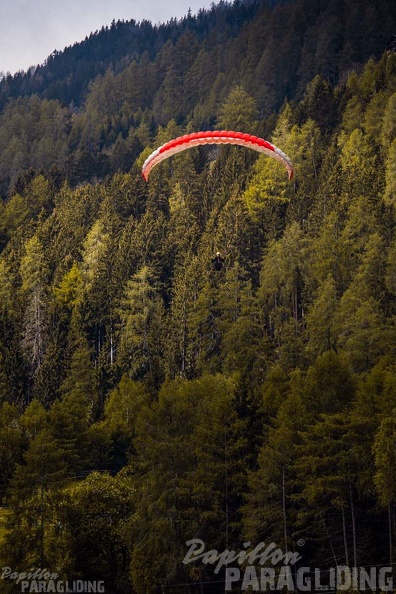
{"points": [[183, 143]]}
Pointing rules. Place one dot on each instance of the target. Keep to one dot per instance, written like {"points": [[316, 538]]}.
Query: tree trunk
{"points": [[284, 507], [345, 537], [390, 533], [353, 524]]}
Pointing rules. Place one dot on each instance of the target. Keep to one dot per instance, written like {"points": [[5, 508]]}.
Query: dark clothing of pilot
{"points": [[217, 262]]}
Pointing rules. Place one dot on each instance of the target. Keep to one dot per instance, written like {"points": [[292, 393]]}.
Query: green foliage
{"points": [[326, 470], [188, 454], [319, 321], [80, 382], [10, 443], [390, 188], [15, 212], [33, 134], [94, 521], [384, 452], [92, 120], [238, 112], [123, 405], [34, 496], [268, 512], [330, 384], [141, 314], [256, 402]]}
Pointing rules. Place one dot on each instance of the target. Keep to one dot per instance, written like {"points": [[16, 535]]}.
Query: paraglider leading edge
{"points": [[187, 141]]}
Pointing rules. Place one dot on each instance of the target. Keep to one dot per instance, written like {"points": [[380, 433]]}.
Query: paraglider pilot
{"points": [[217, 262]]}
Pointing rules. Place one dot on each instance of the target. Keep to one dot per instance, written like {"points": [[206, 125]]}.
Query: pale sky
{"points": [[30, 30]]}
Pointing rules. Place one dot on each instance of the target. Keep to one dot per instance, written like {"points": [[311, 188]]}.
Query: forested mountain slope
{"points": [[92, 108], [146, 399]]}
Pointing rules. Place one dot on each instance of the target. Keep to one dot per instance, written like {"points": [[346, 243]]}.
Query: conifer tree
{"points": [[34, 274], [10, 444], [95, 535], [238, 112], [269, 511], [281, 290], [390, 176], [327, 469], [384, 454], [319, 320], [186, 287], [141, 320], [34, 495], [188, 460], [240, 323], [121, 411]]}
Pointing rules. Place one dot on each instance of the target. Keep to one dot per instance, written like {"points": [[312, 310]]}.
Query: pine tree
{"points": [[330, 384], [327, 469], [34, 419], [384, 451], [10, 444], [240, 324], [34, 274], [33, 500], [390, 176], [121, 411], [388, 132], [188, 461], [269, 511], [141, 319], [186, 287], [81, 377], [319, 319], [94, 530], [281, 292], [359, 165], [238, 112]]}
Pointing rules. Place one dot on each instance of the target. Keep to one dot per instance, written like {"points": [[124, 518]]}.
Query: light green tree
{"points": [[34, 274], [390, 176], [238, 112], [319, 320], [141, 321]]}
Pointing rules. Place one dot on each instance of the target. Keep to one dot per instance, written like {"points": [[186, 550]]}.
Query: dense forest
{"points": [[147, 399]]}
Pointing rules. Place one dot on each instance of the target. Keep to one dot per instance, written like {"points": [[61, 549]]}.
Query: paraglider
{"points": [[182, 143], [187, 141]]}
